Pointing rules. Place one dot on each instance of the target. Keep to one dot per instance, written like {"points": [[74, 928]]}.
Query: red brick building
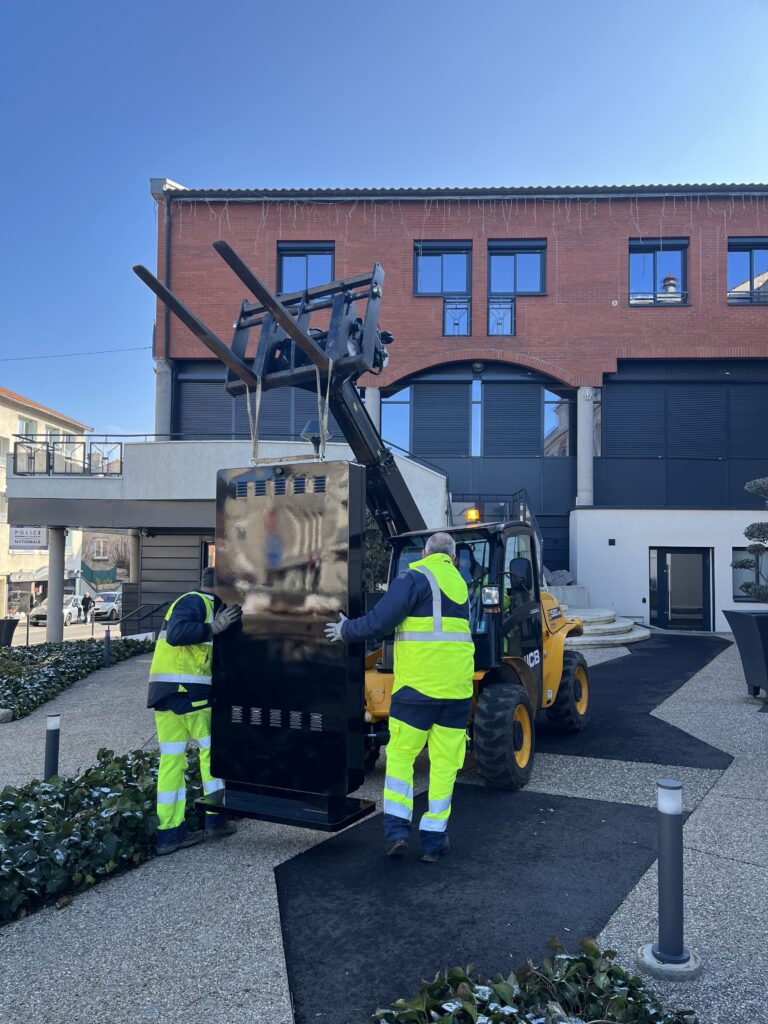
{"points": [[605, 348]]}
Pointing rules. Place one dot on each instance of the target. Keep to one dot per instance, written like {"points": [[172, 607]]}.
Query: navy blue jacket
{"points": [[187, 624], [408, 594]]}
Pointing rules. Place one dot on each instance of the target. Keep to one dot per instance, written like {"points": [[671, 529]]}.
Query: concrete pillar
{"points": [[133, 572], [163, 396], [373, 406], [585, 427], [54, 629]]}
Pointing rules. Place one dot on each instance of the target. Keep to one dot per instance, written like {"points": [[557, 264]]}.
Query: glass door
{"points": [[680, 588]]}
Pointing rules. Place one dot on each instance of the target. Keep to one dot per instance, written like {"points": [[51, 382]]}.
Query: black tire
{"points": [[571, 711], [113, 616], [504, 736], [68, 620]]}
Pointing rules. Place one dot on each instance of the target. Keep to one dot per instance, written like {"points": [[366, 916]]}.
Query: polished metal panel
{"points": [[288, 706]]}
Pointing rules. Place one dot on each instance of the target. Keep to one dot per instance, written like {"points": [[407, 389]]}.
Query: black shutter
{"points": [[441, 418], [203, 409], [633, 421], [512, 419], [274, 415], [748, 427], [696, 421]]}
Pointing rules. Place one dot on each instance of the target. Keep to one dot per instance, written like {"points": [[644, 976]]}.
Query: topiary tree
{"points": [[757, 533]]}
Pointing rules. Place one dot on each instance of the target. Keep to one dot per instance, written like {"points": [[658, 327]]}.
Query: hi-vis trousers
{"points": [[442, 726], [173, 732]]}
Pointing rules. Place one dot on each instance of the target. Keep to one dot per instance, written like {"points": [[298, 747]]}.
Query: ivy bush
{"points": [[587, 989], [30, 676], [65, 835]]}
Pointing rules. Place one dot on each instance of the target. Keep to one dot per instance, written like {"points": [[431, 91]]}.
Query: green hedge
{"points": [[562, 989], [30, 676], [63, 836]]}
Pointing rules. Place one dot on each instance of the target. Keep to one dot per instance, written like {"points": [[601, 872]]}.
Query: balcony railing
{"points": [[658, 298], [744, 297], [36, 455], [457, 316], [501, 314]]}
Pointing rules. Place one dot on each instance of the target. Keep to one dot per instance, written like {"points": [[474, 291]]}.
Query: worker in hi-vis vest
{"points": [[427, 607], [180, 694]]}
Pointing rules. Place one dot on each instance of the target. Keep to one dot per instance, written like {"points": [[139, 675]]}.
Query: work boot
{"points": [[219, 831], [431, 858], [397, 848], [190, 839]]}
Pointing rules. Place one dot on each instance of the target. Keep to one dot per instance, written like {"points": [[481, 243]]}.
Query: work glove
{"points": [[333, 629], [226, 617]]}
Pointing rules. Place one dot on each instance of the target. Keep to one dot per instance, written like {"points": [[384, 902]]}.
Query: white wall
{"points": [[617, 576]]}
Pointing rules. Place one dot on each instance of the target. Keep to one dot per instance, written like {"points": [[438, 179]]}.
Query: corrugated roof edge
{"points": [[485, 192]]}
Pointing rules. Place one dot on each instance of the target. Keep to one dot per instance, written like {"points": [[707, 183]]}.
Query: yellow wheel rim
{"points": [[522, 732], [582, 691]]}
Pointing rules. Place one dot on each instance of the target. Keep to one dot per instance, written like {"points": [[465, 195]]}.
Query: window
{"points": [[303, 265], [52, 435], [557, 424], [747, 271], [99, 549], [3, 508], [396, 419], [657, 272], [5, 447], [476, 423], [444, 268], [27, 427], [750, 575], [514, 268]]}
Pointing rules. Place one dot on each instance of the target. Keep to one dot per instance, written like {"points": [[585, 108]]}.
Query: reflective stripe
{"points": [[436, 806], [433, 824], [437, 598], [398, 810], [213, 786], [173, 748], [398, 786], [172, 796], [428, 638], [163, 634], [204, 742], [179, 677]]}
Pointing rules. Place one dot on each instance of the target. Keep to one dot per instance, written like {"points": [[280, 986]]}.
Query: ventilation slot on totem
{"points": [[256, 716], [296, 720], [237, 714], [299, 485], [315, 721], [280, 485], [319, 485], [276, 718], [241, 489], [260, 488]]}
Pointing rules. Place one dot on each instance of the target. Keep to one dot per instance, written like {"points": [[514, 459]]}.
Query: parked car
{"points": [[71, 608], [108, 606]]}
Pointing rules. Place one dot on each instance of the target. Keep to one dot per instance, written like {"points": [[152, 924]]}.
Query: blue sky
{"points": [[99, 97]]}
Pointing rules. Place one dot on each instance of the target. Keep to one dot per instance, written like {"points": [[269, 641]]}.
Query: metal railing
{"points": [[658, 298], [40, 455], [140, 614], [745, 297], [457, 316], [501, 314]]}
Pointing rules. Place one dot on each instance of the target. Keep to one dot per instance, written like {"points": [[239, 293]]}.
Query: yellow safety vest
{"points": [[175, 669], [435, 654]]}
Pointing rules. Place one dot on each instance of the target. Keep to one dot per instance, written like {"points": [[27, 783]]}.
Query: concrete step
{"points": [[590, 615], [606, 628], [632, 636]]}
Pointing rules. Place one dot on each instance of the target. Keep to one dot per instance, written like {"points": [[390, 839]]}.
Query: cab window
{"points": [[518, 572]]}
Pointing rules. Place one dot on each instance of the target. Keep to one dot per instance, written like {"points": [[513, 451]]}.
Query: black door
{"points": [[681, 588]]}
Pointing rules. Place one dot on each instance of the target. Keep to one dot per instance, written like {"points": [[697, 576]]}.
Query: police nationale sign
{"points": [[28, 538]]}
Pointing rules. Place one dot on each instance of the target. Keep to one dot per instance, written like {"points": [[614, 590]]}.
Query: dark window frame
{"points": [[394, 399], [658, 300], [303, 249], [744, 244], [569, 397], [741, 597], [442, 248], [513, 247]]}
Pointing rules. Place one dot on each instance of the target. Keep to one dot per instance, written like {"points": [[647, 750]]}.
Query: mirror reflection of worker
{"points": [[180, 694], [427, 606]]}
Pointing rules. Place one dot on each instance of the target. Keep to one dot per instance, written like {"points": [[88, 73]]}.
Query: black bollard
{"points": [[107, 648], [52, 734], [670, 949]]}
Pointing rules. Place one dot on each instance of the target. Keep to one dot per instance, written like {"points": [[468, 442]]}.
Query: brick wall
{"points": [[574, 333]]}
